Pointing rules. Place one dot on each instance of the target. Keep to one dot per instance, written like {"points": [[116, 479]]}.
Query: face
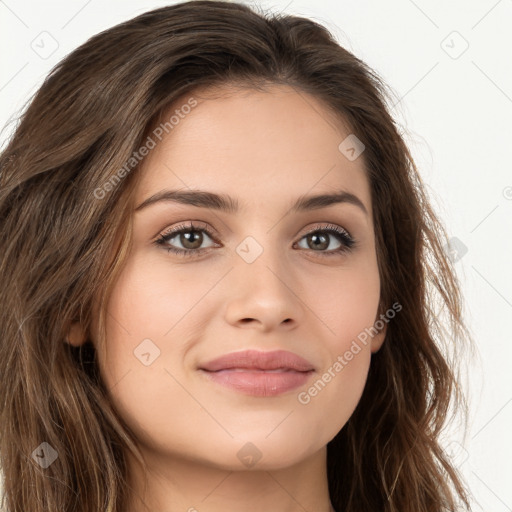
{"points": [[268, 277]]}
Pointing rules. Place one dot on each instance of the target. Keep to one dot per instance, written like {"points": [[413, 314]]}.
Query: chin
{"points": [[260, 453]]}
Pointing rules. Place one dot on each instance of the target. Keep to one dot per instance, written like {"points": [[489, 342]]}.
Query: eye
{"points": [[319, 240], [190, 236]]}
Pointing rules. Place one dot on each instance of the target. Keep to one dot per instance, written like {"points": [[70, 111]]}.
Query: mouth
{"points": [[259, 373]]}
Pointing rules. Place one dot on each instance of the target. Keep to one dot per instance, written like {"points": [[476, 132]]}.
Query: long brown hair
{"points": [[63, 243]]}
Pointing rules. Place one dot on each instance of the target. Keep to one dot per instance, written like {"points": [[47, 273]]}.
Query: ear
{"points": [[76, 335], [379, 338]]}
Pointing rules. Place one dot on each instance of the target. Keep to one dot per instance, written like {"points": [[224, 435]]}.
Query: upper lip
{"points": [[257, 360]]}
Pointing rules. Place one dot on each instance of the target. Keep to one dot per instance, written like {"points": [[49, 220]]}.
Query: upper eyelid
{"points": [[182, 226]]}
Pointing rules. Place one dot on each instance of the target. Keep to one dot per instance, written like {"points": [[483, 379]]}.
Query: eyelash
{"points": [[347, 242]]}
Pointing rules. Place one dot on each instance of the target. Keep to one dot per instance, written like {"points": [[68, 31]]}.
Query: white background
{"points": [[456, 111]]}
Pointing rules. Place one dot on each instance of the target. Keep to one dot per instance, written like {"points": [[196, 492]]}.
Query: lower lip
{"points": [[259, 383]]}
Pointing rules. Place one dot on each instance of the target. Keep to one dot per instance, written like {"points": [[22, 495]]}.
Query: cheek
{"points": [[329, 401], [149, 303], [151, 316], [143, 315], [347, 302], [348, 307], [141, 310]]}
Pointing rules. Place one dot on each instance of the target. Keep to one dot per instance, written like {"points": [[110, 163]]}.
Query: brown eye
{"points": [[185, 240], [319, 240]]}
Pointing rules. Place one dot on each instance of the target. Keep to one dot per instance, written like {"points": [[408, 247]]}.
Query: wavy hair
{"points": [[62, 247]]}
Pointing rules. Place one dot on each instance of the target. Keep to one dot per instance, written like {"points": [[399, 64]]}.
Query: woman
{"points": [[219, 272]]}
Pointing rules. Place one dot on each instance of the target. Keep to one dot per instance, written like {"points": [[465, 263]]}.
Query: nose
{"points": [[264, 295]]}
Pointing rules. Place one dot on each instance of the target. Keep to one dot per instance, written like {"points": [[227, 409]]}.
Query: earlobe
{"points": [[378, 339], [76, 335]]}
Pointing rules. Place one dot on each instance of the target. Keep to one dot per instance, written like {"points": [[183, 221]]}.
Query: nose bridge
{"points": [[262, 241], [264, 285], [261, 258]]}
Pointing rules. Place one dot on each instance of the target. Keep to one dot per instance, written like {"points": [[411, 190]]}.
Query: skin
{"points": [[265, 149]]}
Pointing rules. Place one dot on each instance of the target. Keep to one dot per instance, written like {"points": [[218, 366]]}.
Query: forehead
{"points": [[259, 146]]}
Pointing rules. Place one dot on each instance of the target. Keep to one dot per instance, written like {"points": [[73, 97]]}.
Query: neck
{"points": [[176, 484]]}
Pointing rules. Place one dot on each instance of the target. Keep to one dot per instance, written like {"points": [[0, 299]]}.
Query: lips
{"points": [[256, 373], [256, 360]]}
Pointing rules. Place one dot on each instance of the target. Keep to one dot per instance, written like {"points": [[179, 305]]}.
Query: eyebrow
{"points": [[228, 204]]}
